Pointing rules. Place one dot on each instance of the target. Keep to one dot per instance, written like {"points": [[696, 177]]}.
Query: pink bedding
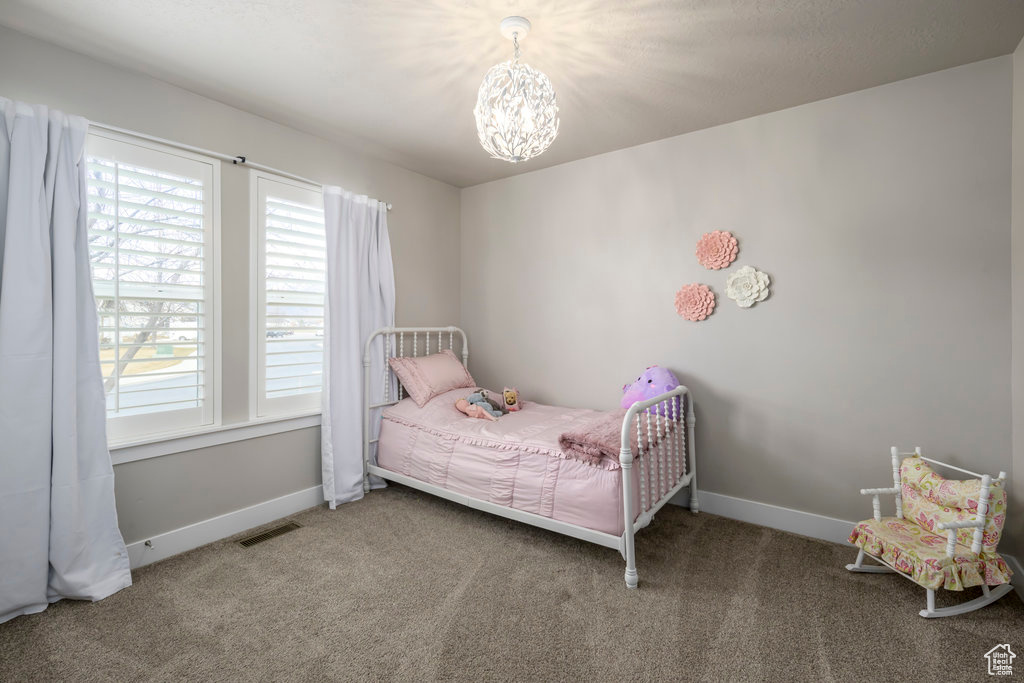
{"points": [[515, 461]]}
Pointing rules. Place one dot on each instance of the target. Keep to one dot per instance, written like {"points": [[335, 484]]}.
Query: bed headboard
{"points": [[401, 342]]}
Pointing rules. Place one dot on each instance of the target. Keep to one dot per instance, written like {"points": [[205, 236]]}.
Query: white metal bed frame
{"points": [[662, 469]]}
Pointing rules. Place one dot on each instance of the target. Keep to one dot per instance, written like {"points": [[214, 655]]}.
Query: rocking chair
{"points": [[971, 512]]}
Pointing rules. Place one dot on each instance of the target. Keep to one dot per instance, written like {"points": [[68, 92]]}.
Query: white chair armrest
{"points": [[876, 508], [951, 527], [961, 525]]}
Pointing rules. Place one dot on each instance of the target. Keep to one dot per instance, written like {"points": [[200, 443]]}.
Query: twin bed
{"points": [[593, 475]]}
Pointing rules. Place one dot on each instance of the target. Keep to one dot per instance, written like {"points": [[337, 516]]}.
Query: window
{"points": [[289, 267], [153, 250]]}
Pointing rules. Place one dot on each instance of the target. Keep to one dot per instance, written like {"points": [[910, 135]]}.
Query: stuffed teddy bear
{"points": [[511, 399], [655, 380]]}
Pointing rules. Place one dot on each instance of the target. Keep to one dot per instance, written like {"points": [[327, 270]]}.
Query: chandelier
{"points": [[516, 112]]}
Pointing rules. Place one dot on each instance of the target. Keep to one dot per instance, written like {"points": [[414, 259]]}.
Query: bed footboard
{"points": [[662, 463]]}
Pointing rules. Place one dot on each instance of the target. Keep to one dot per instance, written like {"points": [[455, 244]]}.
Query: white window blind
{"points": [[153, 251], [290, 268]]}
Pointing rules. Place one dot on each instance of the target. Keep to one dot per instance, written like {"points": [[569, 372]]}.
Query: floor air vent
{"points": [[269, 534]]}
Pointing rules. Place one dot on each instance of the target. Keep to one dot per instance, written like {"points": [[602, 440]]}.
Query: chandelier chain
{"points": [[515, 42]]}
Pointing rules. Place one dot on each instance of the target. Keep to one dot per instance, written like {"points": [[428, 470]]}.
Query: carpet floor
{"points": [[404, 586]]}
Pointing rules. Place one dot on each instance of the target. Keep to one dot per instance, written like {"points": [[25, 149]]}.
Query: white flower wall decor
{"points": [[747, 286]]}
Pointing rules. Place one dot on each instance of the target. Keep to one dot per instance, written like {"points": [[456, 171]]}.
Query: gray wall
{"points": [[165, 493], [883, 218], [1015, 523]]}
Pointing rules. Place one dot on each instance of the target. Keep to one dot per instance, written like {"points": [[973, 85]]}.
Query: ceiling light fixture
{"points": [[516, 111]]}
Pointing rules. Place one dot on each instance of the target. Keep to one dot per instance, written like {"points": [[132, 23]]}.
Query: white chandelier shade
{"points": [[516, 109]]}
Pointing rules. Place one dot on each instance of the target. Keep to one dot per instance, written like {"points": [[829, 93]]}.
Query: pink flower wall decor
{"points": [[695, 302], [716, 250]]}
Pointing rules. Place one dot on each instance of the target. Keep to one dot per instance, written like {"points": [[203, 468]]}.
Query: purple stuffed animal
{"points": [[655, 380]]}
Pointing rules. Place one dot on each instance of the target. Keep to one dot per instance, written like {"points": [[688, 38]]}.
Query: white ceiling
{"points": [[399, 78]]}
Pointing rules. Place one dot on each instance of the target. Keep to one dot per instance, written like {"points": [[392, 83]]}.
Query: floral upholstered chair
{"points": [[944, 534]]}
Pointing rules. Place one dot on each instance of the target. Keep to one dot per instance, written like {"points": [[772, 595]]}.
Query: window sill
{"points": [[179, 442]]}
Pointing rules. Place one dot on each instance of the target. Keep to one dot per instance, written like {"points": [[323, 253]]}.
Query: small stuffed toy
{"points": [[479, 398], [497, 405], [474, 410], [655, 380], [511, 399]]}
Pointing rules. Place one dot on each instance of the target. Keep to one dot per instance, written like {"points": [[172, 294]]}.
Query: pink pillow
{"points": [[427, 376]]}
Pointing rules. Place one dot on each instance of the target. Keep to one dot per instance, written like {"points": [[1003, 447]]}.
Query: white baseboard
{"points": [[775, 517], [798, 522], [194, 535]]}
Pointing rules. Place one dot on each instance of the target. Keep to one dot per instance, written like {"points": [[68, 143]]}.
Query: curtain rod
{"points": [[236, 160]]}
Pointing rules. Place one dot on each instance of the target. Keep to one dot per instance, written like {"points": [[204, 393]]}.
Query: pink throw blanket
{"points": [[600, 439]]}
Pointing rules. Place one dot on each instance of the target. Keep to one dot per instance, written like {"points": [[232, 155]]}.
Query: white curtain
{"points": [[58, 527], [360, 299]]}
